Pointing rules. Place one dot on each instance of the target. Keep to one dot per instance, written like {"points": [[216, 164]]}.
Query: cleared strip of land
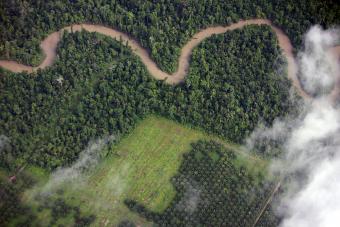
{"points": [[139, 167], [269, 200]]}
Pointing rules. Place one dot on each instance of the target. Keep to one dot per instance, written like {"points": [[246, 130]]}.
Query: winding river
{"points": [[49, 46]]}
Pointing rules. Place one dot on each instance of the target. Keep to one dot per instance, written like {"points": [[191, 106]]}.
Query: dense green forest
{"points": [[233, 197], [98, 87], [160, 26]]}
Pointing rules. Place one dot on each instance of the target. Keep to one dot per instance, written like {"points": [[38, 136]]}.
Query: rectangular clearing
{"points": [[139, 167]]}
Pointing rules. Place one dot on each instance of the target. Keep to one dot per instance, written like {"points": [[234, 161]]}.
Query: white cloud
{"points": [[318, 68], [310, 141], [87, 160]]}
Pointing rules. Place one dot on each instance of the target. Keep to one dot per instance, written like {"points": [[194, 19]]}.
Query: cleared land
{"points": [[139, 168]]}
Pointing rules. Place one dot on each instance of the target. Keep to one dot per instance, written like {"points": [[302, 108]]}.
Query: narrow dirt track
{"points": [[49, 46], [270, 198]]}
